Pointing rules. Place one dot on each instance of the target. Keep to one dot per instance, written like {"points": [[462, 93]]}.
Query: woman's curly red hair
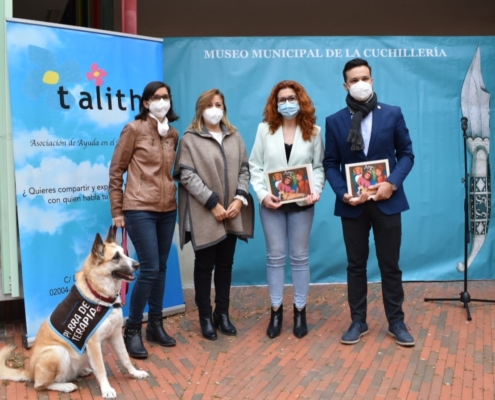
{"points": [[306, 118]]}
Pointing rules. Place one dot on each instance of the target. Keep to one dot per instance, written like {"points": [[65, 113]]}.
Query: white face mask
{"points": [[160, 108], [213, 115], [361, 91]]}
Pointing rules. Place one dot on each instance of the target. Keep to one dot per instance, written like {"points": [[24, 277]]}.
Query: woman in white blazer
{"points": [[287, 138]]}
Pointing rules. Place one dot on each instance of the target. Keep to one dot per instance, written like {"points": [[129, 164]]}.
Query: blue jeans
{"points": [[151, 234], [290, 228]]}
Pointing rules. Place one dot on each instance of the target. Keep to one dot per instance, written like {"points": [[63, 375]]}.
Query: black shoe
{"points": [[400, 332], [222, 321], [207, 328], [276, 319], [300, 325], [134, 343], [354, 333], [156, 333]]}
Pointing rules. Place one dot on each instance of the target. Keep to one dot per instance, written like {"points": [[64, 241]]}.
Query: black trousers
{"points": [[387, 231], [221, 258]]}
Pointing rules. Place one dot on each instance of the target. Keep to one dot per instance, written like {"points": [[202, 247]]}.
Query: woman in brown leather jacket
{"points": [[147, 207]]}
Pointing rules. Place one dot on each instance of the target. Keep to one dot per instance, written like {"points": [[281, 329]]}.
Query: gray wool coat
{"points": [[209, 173]]}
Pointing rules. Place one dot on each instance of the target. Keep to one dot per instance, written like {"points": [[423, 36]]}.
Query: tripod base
{"points": [[464, 298]]}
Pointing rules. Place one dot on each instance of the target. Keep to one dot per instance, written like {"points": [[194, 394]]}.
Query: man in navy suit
{"points": [[362, 132]]}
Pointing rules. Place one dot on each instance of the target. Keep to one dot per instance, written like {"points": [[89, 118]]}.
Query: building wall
{"points": [[159, 18]]}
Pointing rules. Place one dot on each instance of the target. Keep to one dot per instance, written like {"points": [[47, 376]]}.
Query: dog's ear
{"points": [[111, 235], [98, 247]]}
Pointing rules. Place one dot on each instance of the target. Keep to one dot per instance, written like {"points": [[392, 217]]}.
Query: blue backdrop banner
{"points": [[435, 80], [72, 92]]}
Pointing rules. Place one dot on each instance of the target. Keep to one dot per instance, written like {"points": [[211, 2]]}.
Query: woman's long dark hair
{"points": [[149, 91]]}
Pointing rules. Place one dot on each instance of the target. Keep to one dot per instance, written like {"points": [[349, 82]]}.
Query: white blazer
{"points": [[269, 154]]}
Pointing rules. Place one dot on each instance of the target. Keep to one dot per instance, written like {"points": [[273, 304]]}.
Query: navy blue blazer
{"points": [[389, 139]]}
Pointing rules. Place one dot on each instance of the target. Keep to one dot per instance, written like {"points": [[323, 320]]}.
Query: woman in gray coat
{"points": [[215, 207]]}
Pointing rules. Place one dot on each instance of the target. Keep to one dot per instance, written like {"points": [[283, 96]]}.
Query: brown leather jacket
{"points": [[148, 160]]}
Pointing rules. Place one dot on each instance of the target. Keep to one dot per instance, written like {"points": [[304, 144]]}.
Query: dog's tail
{"points": [[7, 373]]}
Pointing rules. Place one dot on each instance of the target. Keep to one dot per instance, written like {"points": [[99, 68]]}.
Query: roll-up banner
{"points": [[72, 92], [435, 81]]}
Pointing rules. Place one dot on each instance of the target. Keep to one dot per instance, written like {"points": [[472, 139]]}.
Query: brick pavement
{"points": [[453, 358]]}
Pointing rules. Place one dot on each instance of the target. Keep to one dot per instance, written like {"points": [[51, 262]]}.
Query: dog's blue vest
{"points": [[77, 318]]}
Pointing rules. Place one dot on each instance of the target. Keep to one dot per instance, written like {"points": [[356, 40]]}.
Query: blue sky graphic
{"points": [[56, 237]]}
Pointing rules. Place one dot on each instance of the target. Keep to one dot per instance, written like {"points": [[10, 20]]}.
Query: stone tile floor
{"points": [[453, 358]]}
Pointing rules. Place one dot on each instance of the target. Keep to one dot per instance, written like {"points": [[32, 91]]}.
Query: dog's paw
{"points": [[85, 372], [69, 387], [108, 392], [65, 387], [140, 374]]}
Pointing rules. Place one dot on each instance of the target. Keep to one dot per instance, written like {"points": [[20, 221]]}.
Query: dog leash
{"points": [[125, 285]]}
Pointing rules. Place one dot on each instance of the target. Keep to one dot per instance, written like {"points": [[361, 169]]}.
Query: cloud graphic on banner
{"points": [[21, 37], [37, 143], [47, 76], [44, 220], [61, 178], [105, 118], [80, 248]]}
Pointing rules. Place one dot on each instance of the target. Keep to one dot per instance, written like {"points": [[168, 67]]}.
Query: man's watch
{"points": [[394, 188]]}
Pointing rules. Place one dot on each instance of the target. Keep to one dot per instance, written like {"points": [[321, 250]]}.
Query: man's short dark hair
{"points": [[357, 62]]}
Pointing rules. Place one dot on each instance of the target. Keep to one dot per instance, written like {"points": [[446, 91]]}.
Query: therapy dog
{"points": [[73, 335]]}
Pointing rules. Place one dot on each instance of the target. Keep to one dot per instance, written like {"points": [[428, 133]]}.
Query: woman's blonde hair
{"points": [[202, 103]]}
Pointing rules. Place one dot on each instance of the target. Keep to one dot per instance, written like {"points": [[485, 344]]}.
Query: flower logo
{"points": [[48, 74], [97, 74]]}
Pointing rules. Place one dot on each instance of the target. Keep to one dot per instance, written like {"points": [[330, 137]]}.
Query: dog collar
{"points": [[99, 296]]}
